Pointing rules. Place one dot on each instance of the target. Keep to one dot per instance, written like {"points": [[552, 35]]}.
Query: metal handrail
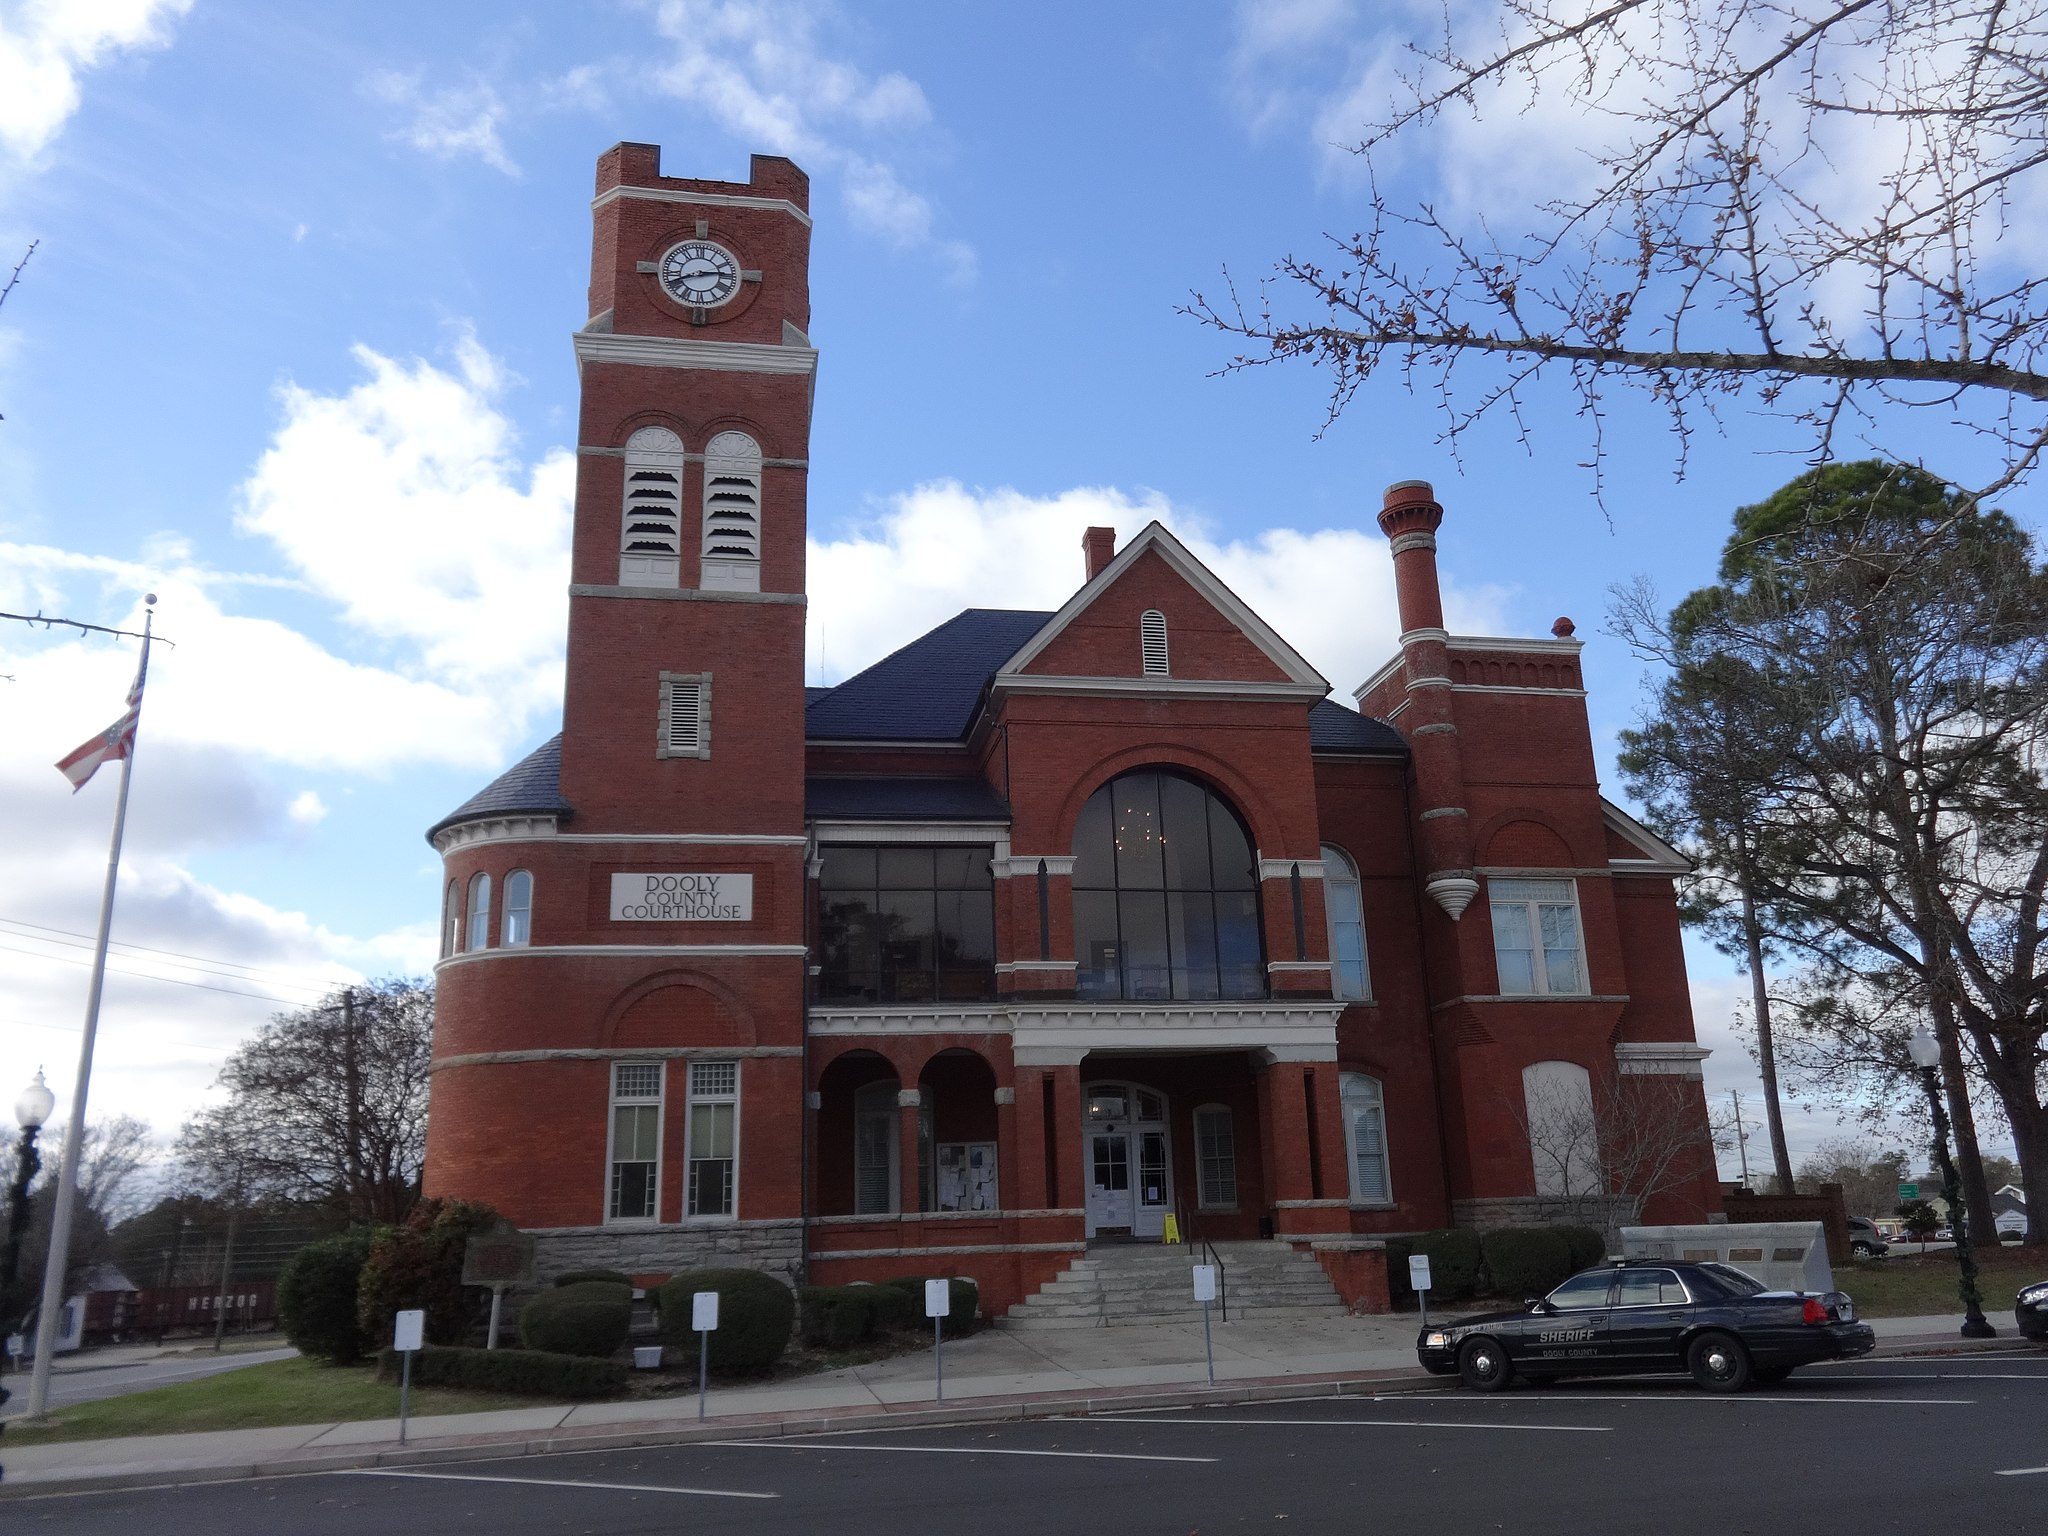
{"points": [[1192, 1237]]}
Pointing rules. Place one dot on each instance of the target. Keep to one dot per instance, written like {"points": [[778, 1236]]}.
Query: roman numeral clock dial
{"points": [[701, 273]]}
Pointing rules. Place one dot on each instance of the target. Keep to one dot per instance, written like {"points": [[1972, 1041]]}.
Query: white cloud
{"points": [[453, 122], [763, 71], [942, 547], [307, 809], [45, 45]]}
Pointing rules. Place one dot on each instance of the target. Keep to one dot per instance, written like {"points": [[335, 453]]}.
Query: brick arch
{"points": [[1524, 838], [1210, 770], [904, 1057], [626, 426], [679, 1007], [759, 431]]}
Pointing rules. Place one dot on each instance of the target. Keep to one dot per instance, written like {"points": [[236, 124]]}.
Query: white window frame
{"points": [[452, 920], [516, 908], [671, 685], [732, 475], [478, 925], [883, 1101], [1202, 1193], [1152, 652], [1531, 899], [694, 1097], [652, 450], [1341, 872], [616, 1101], [1364, 1101]]}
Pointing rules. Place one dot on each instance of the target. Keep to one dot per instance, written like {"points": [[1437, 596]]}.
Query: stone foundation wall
{"points": [[647, 1252], [1541, 1211]]}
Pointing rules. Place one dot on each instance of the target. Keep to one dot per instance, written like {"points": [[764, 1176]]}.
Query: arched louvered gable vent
{"points": [[732, 513], [651, 540], [1152, 641]]}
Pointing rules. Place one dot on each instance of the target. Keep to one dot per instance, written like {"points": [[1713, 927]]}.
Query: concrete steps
{"points": [[1131, 1284]]}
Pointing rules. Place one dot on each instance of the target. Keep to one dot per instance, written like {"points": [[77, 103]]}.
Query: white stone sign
{"points": [[682, 898]]}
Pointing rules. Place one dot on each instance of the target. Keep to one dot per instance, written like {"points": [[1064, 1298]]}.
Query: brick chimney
{"points": [[1409, 517], [1099, 546]]}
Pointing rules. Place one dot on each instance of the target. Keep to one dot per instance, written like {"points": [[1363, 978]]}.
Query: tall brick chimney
{"points": [[1099, 546], [1409, 517]]}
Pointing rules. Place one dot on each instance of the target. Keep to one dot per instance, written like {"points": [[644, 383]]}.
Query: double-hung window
{"points": [[479, 911], [1536, 944], [1365, 1137], [1216, 1157], [636, 1140], [1349, 977], [713, 1138], [517, 930]]}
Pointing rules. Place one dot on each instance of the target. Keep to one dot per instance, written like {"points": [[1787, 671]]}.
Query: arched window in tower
{"points": [[451, 920], [517, 928], [1350, 979], [1152, 642], [732, 513], [479, 912], [651, 537], [1166, 894]]}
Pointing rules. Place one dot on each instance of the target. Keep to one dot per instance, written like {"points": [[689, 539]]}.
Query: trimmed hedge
{"points": [[1526, 1261], [1588, 1245], [837, 1316], [1454, 1256], [756, 1314], [582, 1276], [964, 1297], [527, 1372], [316, 1298], [591, 1317]]}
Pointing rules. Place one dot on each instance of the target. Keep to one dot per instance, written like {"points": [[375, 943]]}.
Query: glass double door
{"points": [[1129, 1169]]}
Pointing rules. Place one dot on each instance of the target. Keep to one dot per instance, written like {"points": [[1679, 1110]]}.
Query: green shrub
{"points": [[1526, 1261], [963, 1298], [316, 1298], [1588, 1245], [836, 1316], [756, 1313], [583, 1276], [590, 1318], [527, 1372], [1453, 1255], [419, 1264], [1399, 1292]]}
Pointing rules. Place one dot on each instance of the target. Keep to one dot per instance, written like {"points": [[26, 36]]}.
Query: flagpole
{"points": [[74, 1133]]}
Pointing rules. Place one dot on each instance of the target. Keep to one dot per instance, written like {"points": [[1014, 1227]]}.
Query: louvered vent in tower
{"points": [[651, 536], [732, 514], [1152, 642]]}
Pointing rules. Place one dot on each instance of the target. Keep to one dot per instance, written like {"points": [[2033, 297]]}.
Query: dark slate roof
{"points": [[1333, 728], [812, 695], [530, 787], [910, 799], [928, 690]]}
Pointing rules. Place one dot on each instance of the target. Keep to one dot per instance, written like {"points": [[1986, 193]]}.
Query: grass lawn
{"points": [[276, 1392], [1906, 1284]]}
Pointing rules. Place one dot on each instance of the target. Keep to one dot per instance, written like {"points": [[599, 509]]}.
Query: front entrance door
{"points": [[1109, 1182], [1130, 1169]]}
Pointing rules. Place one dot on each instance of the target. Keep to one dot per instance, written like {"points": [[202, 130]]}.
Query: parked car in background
{"points": [[1865, 1240]]}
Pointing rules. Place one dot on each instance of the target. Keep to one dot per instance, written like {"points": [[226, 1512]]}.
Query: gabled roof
{"points": [[1333, 728], [1658, 856], [928, 690], [902, 799], [530, 787], [1154, 537]]}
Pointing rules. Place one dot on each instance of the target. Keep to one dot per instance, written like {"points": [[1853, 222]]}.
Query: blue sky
{"points": [[293, 352]]}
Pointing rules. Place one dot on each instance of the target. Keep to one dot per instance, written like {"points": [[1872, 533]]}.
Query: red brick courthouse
{"points": [[1049, 926]]}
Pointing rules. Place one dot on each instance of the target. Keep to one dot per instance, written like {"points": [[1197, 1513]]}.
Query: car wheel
{"points": [[1484, 1366], [1769, 1375], [1719, 1362], [1863, 1250]]}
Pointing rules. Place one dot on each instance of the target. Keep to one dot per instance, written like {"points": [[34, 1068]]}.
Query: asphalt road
{"points": [[86, 1386], [1914, 1445]]}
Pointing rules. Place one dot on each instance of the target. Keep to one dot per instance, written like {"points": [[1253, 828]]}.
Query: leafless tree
{"points": [[1606, 1146], [326, 1104], [1822, 207]]}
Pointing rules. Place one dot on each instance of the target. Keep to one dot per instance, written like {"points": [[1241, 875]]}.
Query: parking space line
{"points": [[1956, 1376], [953, 1450], [2021, 1472], [552, 1482], [1571, 1429], [1751, 1397]]}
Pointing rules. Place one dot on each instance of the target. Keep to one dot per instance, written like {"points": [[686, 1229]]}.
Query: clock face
{"points": [[701, 273]]}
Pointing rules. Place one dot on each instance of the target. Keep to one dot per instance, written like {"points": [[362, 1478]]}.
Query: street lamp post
{"points": [[30, 1111], [1926, 1054]]}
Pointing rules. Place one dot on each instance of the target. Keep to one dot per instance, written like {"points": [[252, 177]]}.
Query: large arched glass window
{"points": [[518, 920], [1166, 894], [1349, 977], [479, 911], [1365, 1138]]}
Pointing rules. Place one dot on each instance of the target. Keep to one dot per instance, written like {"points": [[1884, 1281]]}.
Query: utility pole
{"points": [[220, 1299], [1741, 1135], [353, 1086]]}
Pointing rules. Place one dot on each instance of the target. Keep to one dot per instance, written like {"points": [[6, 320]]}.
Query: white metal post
{"points": [[74, 1133], [497, 1299]]}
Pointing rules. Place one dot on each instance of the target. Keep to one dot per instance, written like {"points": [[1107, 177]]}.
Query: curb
{"points": [[303, 1463]]}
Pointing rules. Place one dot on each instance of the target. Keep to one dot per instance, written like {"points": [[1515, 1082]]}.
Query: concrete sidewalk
{"points": [[995, 1375]]}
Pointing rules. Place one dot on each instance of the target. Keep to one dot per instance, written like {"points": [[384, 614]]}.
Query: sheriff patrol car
{"points": [[1724, 1326]]}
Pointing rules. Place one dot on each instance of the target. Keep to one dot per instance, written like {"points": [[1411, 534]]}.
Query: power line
{"points": [[174, 981], [176, 954]]}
